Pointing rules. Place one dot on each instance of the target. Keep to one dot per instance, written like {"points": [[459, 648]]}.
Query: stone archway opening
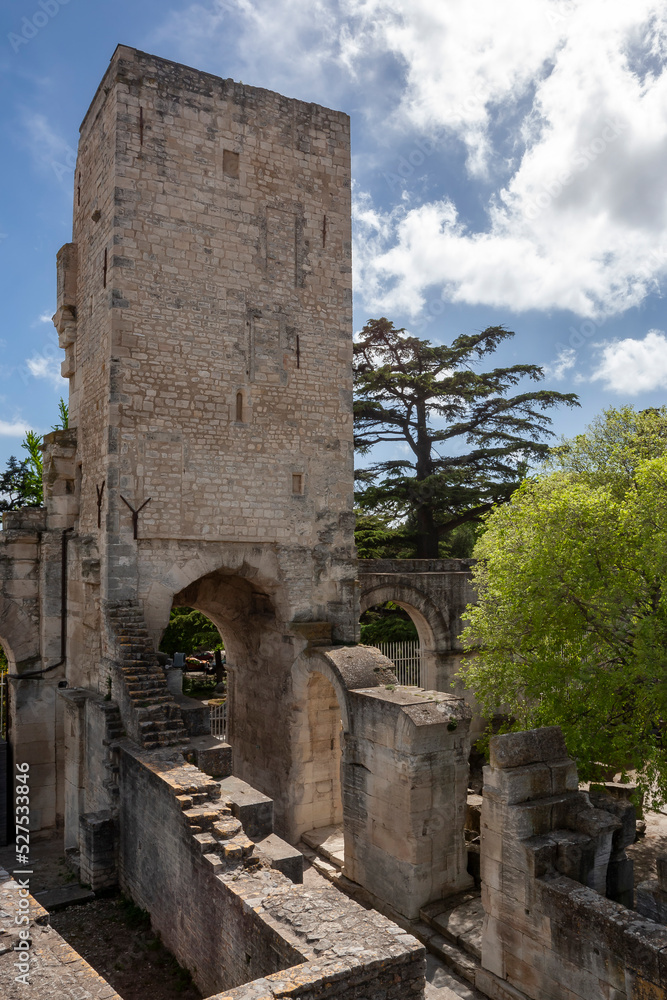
{"points": [[319, 729], [429, 621], [391, 627], [197, 658]]}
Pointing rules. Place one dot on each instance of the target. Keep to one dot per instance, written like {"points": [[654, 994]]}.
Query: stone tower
{"points": [[204, 306]]}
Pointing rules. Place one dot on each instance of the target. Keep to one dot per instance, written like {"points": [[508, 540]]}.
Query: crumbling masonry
{"points": [[204, 307]]}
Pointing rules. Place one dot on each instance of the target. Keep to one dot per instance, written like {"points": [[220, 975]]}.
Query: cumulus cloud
{"points": [[560, 106], [46, 368], [564, 362], [13, 428], [630, 367]]}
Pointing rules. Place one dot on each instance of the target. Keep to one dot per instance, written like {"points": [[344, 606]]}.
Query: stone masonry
{"points": [[555, 879]]}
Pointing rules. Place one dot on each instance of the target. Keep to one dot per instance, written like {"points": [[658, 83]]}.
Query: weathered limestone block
{"points": [[98, 850], [254, 810], [405, 778], [211, 756]]}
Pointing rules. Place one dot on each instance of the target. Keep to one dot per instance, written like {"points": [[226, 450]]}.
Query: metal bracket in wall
{"points": [[100, 494], [135, 513]]}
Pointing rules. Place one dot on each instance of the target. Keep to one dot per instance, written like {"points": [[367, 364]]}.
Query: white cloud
{"points": [[13, 428], [564, 362], [632, 366], [46, 368], [46, 317], [560, 106], [49, 150]]}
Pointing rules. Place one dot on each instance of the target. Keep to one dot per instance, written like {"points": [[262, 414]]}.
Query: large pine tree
{"points": [[469, 440]]}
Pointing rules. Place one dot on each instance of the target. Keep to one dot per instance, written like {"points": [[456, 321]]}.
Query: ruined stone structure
{"points": [[204, 308], [557, 884]]}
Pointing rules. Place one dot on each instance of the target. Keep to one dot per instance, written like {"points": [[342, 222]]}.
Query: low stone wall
{"points": [[55, 970], [549, 853], [231, 919]]}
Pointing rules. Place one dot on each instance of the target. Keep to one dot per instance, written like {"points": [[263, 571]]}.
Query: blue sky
{"points": [[509, 165]]}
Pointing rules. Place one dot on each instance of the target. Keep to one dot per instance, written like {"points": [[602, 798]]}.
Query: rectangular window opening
{"points": [[297, 483], [230, 163]]}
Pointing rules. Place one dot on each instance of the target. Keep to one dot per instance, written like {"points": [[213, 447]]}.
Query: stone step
{"points": [[203, 817], [165, 740], [147, 691], [225, 829], [459, 919]]}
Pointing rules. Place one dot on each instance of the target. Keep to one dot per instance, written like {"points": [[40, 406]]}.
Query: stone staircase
{"points": [[215, 829], [155, 717]]}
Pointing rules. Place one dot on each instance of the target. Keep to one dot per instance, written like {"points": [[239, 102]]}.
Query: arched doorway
{"points": [[196, 652], [430, 625], [390, 629], [319, 728]]}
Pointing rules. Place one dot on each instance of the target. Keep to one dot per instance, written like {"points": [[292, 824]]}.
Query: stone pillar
{"points": [[405, 779], [75, 750], [652, 894], [98, 854]]}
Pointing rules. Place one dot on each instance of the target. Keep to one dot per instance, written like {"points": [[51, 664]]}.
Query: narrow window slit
{"points": [[324, 232], [141, 126], [106, 263], [239, 407], [298, 351]]}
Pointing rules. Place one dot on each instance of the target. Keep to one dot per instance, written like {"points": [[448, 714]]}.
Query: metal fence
{"points": [[219, 720], [407, 660]]}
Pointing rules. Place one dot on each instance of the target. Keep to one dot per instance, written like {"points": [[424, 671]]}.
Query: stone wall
{"points": [[227, 916], [549, 854]]}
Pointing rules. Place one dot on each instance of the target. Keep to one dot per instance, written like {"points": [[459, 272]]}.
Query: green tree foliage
{"points": [[387, 623], [189, 631], [63, 413], [467, 440], [571, 624], [21, 482], [32, 443], [612, 447]]}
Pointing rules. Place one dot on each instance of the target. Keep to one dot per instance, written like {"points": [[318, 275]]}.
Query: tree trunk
{"points": [[427, 538]]}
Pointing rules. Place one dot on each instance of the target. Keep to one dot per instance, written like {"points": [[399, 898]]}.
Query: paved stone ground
{"points": [[442, 983]]}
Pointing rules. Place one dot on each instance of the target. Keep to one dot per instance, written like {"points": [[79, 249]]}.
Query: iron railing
{"points": [[407, 660], [219, 720]]}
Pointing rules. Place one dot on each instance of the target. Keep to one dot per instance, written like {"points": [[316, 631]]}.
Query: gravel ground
{"points": [[115, 937]]}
